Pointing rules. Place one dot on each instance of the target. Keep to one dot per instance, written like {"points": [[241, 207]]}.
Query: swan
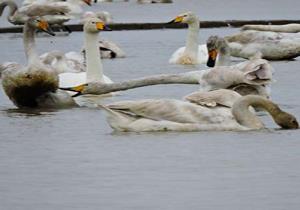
{"points": [[176, 115], [218, 52], [271, 45], [192, 53], [108, 49], [74, 6], [256, 73], [35, 85], [288, 28], [94, 72], [63, 63], [54, 15]]}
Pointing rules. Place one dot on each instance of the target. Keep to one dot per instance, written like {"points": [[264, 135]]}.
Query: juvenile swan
{"points": [[34, 85], [191, 54], [271, 45], [176, 115], [218, 52]]}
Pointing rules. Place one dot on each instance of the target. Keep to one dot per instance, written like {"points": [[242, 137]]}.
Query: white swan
{"points": [[287, 28], [74, 6], [53, 14], [175, 115], [94, 72], [271, 45], [35, 85], [108, 49], [191, 53]]}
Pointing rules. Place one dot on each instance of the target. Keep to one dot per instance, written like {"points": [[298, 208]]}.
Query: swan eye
{"points": [[93, 22]]}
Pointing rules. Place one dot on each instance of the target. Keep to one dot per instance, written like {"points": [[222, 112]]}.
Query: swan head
{"points": [[286, 120], [187, 17], [94, 25], [215, 45], [40, 24]]}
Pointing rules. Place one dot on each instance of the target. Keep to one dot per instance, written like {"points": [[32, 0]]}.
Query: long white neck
{"points": [[223, 55], [94, 72], [29, 44], [191, 46], [240, 110]]}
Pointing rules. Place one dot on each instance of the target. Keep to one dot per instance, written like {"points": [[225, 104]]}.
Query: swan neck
{"points": [[29, 43], [224, 55], [241, 112], [12, 8], [192, 38], [94, 71]]}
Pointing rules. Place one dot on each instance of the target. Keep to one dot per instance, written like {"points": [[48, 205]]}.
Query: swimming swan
{"points": [[287, 28], [191, 54], [256, 73], [35, 85], [271, 45], [175, 115], [94, 72]]}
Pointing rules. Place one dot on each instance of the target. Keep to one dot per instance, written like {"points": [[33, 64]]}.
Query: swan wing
{"points": [[223, 97]]}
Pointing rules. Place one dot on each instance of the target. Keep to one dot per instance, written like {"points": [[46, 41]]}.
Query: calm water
{"points": [[71, 159]]}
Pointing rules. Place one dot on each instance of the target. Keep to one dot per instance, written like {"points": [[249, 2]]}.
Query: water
{"points": [[71, 159]]}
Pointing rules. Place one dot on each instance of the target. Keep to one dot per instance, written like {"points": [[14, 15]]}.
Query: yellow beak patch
{"points": [[213, 54], [43, 25], [100, 26], [178, 19]]}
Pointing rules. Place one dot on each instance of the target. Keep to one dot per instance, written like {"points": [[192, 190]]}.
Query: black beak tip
{"points": [[211, 63]]}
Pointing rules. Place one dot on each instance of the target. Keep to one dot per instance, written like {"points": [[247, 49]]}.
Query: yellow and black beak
{"points": [[78, 89], [102, 27], [44, 26], [212, 57], [178, 19], [88, 2]]}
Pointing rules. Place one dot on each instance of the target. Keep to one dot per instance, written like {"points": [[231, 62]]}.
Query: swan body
{"points": [[94, 72], [175, 115], [50, 13], [34, 85], [191, 53], [287, 28], [271, 45], [74, 6]]}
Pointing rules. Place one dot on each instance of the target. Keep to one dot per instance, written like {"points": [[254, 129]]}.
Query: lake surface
{"points": [[71, 159]]}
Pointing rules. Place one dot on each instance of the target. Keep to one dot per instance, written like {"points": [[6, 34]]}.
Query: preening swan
{"points": [[191, 53], [271, 45], [256, 73], [287, 28], [35, 85], [175, 115], [94, 72]]}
